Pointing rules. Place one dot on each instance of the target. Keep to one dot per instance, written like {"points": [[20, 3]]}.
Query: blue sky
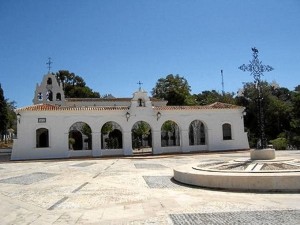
{"points": [[113, 44]]}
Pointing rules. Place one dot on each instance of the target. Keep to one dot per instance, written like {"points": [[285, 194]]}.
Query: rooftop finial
{"points": [[140, 85], [49, 64]]}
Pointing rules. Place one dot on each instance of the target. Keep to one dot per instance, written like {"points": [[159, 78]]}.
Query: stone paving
{"points": [[131, 190]]}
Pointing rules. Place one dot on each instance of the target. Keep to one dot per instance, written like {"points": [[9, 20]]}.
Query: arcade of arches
{"points": [[80, 135]]}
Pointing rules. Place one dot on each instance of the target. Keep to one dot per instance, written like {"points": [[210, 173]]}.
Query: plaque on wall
{"points": [[41, 120]]}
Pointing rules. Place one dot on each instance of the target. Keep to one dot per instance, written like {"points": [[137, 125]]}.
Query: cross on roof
{"points": [[49, 64], [255, 67], [140, 85]]}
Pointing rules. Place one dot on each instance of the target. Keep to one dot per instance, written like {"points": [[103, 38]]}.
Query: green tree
{"points": [[86, 130], [295, 121], [107, 128], [74, 86], [11, 122], [3, 113], [209, 97], [174, 89], [141, 130], [169, 128], [276, 106]]}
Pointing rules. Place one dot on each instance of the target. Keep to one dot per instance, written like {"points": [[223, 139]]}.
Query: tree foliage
{"points": [[74, 86], [11, 120], [295, 121], [209, 97], [3, 113], [140, 131], [174, 89], [277, 108]]}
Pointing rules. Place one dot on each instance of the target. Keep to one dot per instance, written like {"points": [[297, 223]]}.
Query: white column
{"points": [[184, 140], [96, 144], [127, 143], [156, 140]]}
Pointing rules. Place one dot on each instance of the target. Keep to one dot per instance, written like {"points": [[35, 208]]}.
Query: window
{"points": [[226, 131], [42, 138], [58, 97]]}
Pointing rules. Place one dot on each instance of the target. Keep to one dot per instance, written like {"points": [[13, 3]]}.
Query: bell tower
{"points": [[49, 91]]}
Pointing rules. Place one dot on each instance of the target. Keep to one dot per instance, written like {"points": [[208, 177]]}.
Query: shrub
{"points": [[71, 143], [279, 143]]}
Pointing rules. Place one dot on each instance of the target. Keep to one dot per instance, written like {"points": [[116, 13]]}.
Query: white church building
{"points": [[59, 127]]}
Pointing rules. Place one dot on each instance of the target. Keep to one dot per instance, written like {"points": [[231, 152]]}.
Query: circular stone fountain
{"points": [[278, 174]]}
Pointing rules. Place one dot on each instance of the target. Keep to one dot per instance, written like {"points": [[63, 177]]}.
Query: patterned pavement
{"points": [[131, 190], [275, 217]]}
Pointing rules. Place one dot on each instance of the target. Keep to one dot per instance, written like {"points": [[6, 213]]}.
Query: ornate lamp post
{"points": [[256, 69]]}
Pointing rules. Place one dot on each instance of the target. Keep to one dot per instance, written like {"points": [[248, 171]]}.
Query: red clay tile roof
{"points": [[49, 107], [39, 107]]}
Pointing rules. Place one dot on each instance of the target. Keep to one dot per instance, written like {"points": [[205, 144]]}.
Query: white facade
{"points": [[50, 123]]}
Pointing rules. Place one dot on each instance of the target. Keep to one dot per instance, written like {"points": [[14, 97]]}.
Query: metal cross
{"points": [[255, 67], [49, 64], [140, 85]]}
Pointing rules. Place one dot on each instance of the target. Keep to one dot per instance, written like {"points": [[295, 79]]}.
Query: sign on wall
{"points": [[41, 120]]}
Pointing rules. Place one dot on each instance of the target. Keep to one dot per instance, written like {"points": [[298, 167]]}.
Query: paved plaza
{"points": [[131, 190]]}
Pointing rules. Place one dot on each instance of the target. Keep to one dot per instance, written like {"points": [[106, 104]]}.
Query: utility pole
{"points": [[223, 91]]}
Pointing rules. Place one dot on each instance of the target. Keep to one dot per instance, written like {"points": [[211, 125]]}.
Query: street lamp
{"points": [[158, 115], [127, 115]]}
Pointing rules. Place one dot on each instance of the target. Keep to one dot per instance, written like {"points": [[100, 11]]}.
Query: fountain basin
{"points": [[280, 175]]}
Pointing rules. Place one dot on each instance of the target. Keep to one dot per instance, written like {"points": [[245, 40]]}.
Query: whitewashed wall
{"points": [[58, 123]]}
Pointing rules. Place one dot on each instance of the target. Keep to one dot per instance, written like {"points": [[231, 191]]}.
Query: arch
{"points": [[170, 135], [80, 136], [111, 136], [197, 134], [141, 102], [49, 81], [226, 129], [49, 95], [141, 136], [42, 138], [58, 96]]}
